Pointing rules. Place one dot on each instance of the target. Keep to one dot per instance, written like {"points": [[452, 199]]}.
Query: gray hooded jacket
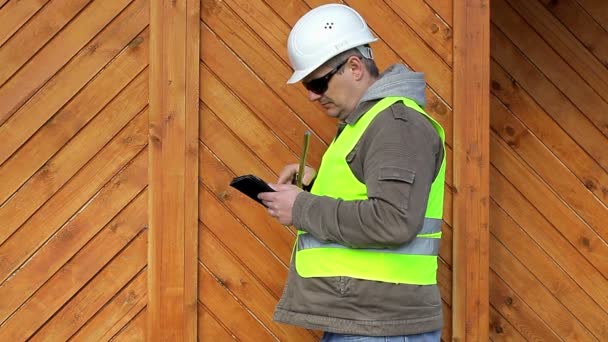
{"points": [[400, 141]]}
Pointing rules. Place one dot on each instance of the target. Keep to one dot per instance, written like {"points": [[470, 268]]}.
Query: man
{"points": [[365, 259]]}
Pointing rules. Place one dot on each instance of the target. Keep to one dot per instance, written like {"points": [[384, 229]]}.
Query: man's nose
{"points": [[313, 96]]}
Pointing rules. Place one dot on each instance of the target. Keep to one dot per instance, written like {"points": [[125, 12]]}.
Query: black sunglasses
{"points": [[319, 85]]}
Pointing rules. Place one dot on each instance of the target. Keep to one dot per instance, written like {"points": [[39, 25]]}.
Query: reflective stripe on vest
{"points": [[412, 263]]}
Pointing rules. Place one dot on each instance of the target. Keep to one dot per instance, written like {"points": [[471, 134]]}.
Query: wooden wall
{"points": [[74, 166], [73, 169], [549, 173], [252, 122]]}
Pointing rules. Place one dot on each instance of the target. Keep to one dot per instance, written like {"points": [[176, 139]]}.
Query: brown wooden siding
{"points": [[74, 123], [252, 122], [73, 164], [549, 175]]}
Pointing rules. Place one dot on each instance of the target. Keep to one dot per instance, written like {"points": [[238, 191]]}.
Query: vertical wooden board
{"points": [[117, 313], [71, 198], [78, 72], [32, 36], [173, 169], [569, 152], [65, 46], [14, 14], [115, 195], [470, 308]]}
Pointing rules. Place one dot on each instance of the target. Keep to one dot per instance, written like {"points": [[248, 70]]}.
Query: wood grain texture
{"points": [[173, 170], [471, 171]]}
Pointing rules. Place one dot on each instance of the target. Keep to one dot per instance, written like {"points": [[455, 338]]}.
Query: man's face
{"points": [[334, 82]]}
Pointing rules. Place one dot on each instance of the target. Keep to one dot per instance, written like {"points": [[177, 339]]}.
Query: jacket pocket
{"points": [[397, 181]]}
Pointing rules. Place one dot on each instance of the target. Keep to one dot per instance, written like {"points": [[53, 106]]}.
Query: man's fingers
{"points": [[287, 174]]}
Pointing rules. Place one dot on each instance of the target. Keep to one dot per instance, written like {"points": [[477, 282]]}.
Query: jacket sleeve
{"points": [[397, 158]]}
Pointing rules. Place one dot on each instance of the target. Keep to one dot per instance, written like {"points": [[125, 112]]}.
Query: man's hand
{"points": [[287, 174], [280, 203]]}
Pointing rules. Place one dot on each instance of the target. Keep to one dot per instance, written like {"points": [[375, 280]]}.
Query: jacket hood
{"points": [[398, 80]]}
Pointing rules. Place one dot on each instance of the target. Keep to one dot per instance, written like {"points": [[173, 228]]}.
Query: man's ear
{"points": [[357, 68]]}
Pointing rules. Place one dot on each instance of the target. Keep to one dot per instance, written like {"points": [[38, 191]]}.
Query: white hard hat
{"points": [[323, 33]]}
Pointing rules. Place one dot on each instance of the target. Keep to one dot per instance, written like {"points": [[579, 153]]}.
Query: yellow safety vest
{"points": [[412, 263]]}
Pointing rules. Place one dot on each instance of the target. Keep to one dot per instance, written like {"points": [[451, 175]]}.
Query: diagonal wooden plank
{"points": [[256, 22], [444, 8], [544, 268], [245, 287], [501, 329], [581, 24], [408, 45], [121, 310], [536, 295], [549, 97], [277, 237], [14, 14], [421, 18], [59, 169], [61, 89], [239, 119], [61, 50], [562, 73], [135, 330], [567, 256], [554, 137], [37, 32], [73, 196], [551, 169], [75, 234], [229, 311], [570, 49], [261, 100], [598, 10], [533, 188], [92, 297], [209, 329], [517, 312], [264, 265], [82, 267]]}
